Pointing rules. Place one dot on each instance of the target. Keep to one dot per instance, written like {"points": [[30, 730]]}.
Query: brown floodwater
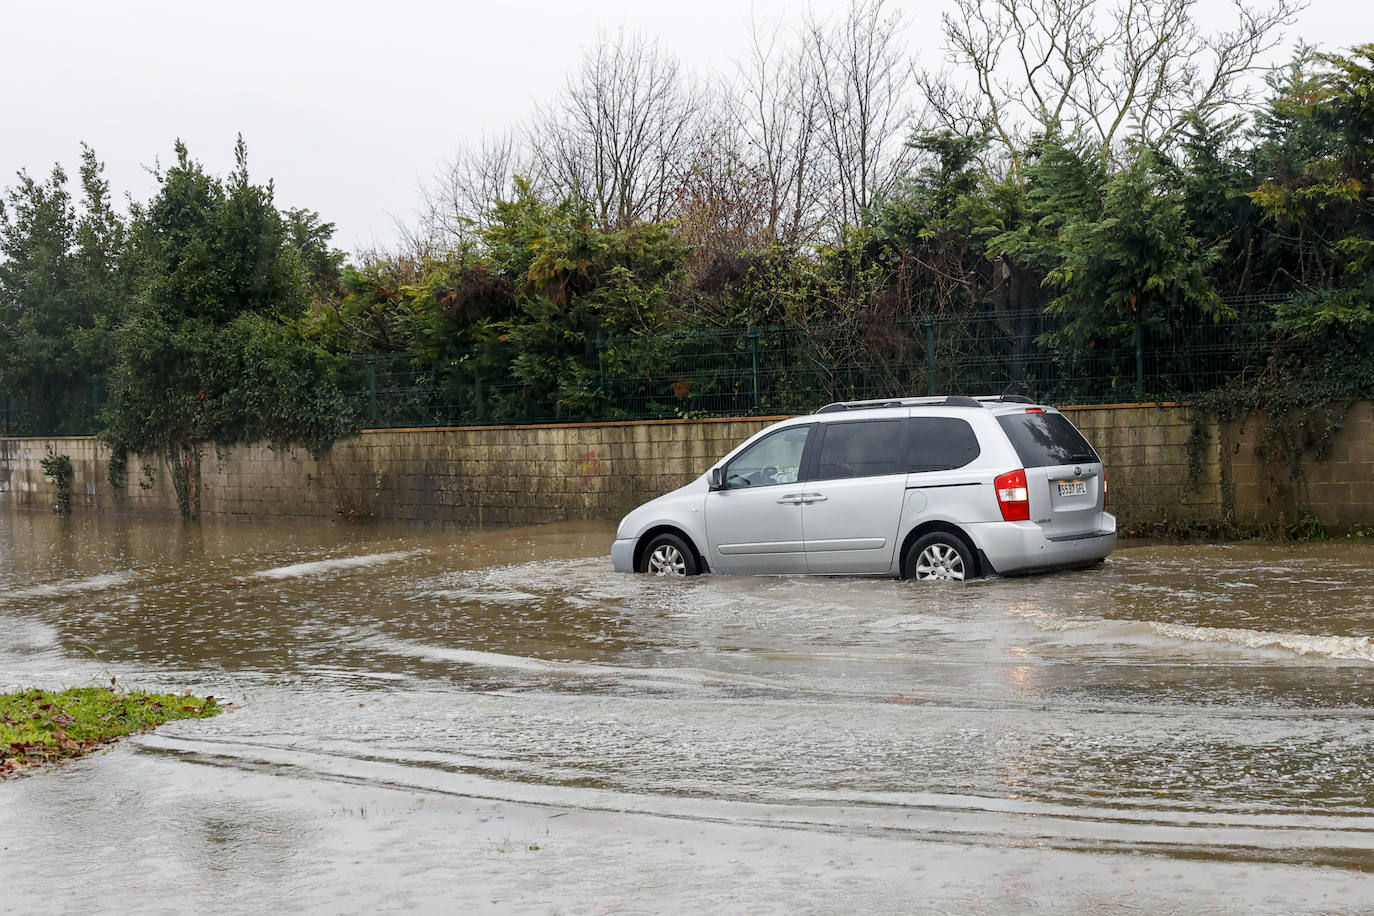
{"points": [[443, 720]]}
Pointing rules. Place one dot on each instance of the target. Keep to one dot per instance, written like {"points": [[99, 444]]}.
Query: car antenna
{"points": [[1010, 385]]}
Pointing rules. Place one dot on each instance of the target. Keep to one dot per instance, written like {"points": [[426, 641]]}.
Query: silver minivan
{"points": [[924, 488]]}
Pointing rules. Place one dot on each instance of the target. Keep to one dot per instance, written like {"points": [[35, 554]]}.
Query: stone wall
{"points": [[1149, 484], [516, 475], [1338, 490]]}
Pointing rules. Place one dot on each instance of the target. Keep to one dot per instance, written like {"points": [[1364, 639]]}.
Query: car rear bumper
{"points": [[623, 555], [1021, 547]]}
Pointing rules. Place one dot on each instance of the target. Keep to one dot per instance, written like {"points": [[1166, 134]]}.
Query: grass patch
{"points": [[39, 727]]}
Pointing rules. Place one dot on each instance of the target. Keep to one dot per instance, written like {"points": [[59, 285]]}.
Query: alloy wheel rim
{"points": [[667, 560], [940, 561]]}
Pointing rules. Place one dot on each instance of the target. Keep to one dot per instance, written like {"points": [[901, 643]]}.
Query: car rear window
{"points": [[941, 444], [1045, 439]]}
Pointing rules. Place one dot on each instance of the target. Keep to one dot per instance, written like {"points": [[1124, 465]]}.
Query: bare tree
{"points": [[1133, 71], [865, 99], [774, 103], [456, 205], [723, 195], [617, 134]]}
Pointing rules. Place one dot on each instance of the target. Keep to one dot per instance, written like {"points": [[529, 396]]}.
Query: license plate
{"points": [[1073, 488]]}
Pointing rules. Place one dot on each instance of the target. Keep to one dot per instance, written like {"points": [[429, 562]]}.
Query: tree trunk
{"points": [[184, 463]]}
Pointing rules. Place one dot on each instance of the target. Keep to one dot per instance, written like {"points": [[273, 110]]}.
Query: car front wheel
{"points": [[939, 557], [669, 555]]}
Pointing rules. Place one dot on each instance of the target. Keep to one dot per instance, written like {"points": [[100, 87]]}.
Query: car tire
{"points": [[939, 556], [669, 555]]}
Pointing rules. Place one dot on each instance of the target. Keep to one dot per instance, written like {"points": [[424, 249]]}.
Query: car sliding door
{"points": [[854, 504]]}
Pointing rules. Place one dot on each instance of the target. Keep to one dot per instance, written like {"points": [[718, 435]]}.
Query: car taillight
{"points": [[1012, 497], [1104, 488]]}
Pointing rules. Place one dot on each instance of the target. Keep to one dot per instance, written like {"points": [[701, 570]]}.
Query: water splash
{"points": [[1341, 647], [316, 567], [72, 586]]}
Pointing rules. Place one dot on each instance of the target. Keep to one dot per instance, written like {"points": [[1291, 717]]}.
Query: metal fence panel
{"points": [[779, 370]]}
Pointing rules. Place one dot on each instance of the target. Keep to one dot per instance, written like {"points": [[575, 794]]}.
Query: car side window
{"points": [[772, 460], [941, 444], [866, 448]]}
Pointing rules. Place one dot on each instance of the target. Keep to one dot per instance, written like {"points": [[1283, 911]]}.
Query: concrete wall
{"points": [[514, 475]]}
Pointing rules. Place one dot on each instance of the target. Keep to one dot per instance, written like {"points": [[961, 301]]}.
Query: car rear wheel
{"points": [[669, 555], [939, 557]]}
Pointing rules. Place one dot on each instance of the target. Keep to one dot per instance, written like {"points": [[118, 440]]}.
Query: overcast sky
{"points": [[350, 106]]}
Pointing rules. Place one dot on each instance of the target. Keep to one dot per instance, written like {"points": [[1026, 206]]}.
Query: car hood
{"points": [[668, 508]]}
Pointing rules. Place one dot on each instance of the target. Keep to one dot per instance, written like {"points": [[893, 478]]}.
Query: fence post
{"points": [[754, 359], [1139, 357], [447, 362], [930, 354], [477, 392], [372, 388], [601, 369]]}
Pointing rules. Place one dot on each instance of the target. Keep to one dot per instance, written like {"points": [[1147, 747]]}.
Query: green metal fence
{"points": [[778, 370], [71, 409]]}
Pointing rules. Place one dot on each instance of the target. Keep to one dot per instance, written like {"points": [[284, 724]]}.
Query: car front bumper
{"points": [[623, 555], [1021, 547]]}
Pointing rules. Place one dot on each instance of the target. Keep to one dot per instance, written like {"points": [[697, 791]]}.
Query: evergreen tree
{"points": [[1317, 197], [210, 354], [61, 292]]}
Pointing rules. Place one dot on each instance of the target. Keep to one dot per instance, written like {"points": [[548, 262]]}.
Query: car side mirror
{"points": [[717, 478]]}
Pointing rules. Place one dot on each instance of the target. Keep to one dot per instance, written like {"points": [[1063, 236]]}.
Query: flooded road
{"points": [[443, 721]]}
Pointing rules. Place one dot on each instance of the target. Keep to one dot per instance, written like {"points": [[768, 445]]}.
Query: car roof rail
{"points": [[955, 400], [1004, 399]]}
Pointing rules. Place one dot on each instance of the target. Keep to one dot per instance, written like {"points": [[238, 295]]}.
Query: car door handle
{"points": [[801, 499]]}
